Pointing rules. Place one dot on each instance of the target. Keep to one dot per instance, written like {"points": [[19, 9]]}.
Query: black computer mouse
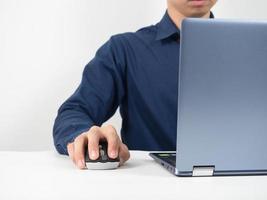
{"points": [[103, 161]]}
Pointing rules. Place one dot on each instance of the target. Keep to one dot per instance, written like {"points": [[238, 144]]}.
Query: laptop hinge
{"points": [[203, 170]]}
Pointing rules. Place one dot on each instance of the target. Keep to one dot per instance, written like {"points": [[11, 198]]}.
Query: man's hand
{"points": [[91, 139]]}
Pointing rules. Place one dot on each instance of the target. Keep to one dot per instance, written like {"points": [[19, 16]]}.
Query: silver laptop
{"points": [[222, 100]]}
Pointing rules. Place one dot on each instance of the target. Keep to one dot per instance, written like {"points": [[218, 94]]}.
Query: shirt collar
{"points": [[167, 28]]}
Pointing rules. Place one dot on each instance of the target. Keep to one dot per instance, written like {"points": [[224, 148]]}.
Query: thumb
{"points": [[124, 153]]}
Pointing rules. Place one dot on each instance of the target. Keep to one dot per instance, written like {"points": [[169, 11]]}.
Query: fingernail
{"points": [[113, 154], [93, 154], [81, 164]]}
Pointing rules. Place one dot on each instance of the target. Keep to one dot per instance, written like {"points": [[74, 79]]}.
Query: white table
{"points": [[48, 175]]}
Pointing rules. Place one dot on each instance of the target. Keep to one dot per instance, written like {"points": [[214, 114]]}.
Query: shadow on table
{"points": [[145, 167]]}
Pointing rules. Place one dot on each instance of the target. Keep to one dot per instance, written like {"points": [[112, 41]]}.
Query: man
{"points": [[138, 72]]}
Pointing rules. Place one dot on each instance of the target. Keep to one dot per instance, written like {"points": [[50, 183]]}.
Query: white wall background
{"points": [[45, 44]]}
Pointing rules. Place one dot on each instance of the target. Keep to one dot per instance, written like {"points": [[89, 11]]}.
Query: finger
{"points": [[113, 140], [124, 153], [94, 136], [70, 148], [79, 145]]}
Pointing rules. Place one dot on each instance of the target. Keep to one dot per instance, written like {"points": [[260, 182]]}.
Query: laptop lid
{"points": [[222, 97]]}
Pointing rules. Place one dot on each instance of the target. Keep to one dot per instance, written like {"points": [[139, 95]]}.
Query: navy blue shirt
{"points": [[137, 72]]}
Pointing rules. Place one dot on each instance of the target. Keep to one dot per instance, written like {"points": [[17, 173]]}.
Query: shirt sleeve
{"points": [[96, 98]]}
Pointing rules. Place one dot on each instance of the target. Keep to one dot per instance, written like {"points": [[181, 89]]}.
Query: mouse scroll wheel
{"points": [[102, 153]]}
